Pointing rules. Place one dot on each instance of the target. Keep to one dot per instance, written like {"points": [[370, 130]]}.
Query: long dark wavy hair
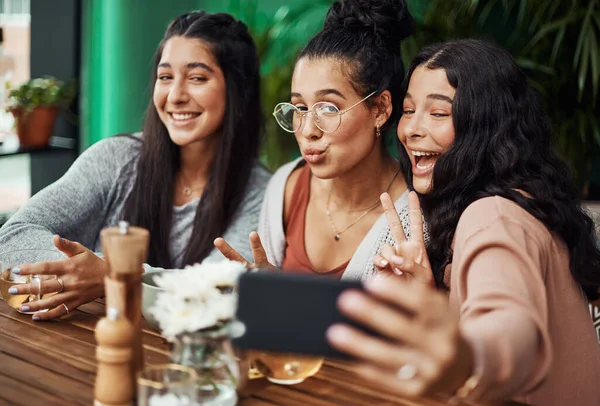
{"points": [[150, 203], [366, 36], [503, 144]]}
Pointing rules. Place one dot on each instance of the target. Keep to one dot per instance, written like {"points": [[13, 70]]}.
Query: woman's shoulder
{"points": [[260, 175], [285, 171], [497, 211], [279, 181], [119, 149]]}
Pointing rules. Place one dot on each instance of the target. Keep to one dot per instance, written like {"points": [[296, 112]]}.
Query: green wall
{"points": [[119, 41]]}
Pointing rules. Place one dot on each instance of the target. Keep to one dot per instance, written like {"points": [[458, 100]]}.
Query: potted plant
{"points": [[35, 106]]}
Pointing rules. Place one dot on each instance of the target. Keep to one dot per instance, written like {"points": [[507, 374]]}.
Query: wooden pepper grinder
{"points": [[114, 387], [125, 249]]}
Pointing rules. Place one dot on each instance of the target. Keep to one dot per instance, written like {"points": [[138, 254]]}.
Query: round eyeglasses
{"points": [[326, 116]]}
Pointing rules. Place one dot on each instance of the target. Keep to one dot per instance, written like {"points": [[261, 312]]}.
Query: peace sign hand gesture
{"points": [[407, 257], [258, 252]]}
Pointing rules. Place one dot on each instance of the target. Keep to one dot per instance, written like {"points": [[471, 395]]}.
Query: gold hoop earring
{"points": [[377, 131]]}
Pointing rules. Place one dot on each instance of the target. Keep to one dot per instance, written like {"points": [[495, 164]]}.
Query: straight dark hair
{"points": [[150, 203], [502, 147]]}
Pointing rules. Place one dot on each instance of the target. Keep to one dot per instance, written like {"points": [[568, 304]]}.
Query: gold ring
{"points": [[66, 308], [62, 285]]}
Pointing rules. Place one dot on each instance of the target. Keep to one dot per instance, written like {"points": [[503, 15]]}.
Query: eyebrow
{"points": [[190, 65], [323, 92], [434, 96]]}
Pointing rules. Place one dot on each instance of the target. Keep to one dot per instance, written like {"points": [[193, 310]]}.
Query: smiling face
{"points": [[332, 154], [426, 129], [189, 93]]}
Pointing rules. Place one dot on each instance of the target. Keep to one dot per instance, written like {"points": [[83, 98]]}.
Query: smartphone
{"points": [[287, 312]]}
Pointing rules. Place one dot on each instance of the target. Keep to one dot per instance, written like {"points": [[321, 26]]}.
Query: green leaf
{"points": [[585, 30], [557, 43], [550, 27]]}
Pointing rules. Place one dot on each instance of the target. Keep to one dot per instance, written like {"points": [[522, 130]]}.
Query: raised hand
{"points": [[420, 349], [258, 252], [407, 257], [80, 279]]}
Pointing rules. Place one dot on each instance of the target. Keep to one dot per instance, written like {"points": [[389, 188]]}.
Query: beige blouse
{"points": [[525, 316]]}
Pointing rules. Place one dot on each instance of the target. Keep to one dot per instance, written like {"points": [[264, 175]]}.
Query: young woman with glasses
{"points": [[189, 177], [321, 213]]}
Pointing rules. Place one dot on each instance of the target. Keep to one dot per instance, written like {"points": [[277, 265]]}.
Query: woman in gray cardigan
{"points": [[191, 176], [321, 213]]}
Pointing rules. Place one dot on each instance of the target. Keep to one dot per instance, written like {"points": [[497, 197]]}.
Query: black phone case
{"points": [[286, 312]]}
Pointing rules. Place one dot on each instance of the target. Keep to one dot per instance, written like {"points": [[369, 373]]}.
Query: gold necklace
{"points": [[337, 234], [187, 190]]}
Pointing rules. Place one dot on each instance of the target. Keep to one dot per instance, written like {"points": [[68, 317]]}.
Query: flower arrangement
{"points": [[198, 297]]}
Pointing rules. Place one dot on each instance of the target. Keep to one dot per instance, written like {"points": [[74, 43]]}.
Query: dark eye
{"points": [[199, 79], [301, 107], [407, 111], [164, 77], [438, 115]]}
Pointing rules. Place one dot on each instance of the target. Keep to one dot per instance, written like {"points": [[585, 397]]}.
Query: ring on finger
{"points": [[66, 307], [407, 372], [62, 285]]}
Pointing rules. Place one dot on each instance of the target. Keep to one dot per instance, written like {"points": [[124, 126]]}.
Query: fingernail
{"points": [[397, 271], [24, 308], [397, 260], [36, 318], [16, 270], [350, 300], [336, 333], [383, 262], [62, 240], [375, 283], [12, 291]]}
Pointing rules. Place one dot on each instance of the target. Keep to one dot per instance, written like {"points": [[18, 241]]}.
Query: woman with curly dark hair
{"points": [[510, 243]]}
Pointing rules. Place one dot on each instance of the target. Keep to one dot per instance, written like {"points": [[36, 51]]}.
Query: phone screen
{"points": [[286, 312]]}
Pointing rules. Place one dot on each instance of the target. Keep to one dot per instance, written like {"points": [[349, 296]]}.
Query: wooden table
{"points": [[53, 363]]}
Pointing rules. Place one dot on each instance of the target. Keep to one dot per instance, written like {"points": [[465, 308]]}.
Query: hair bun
{"points": [[389, 20]]}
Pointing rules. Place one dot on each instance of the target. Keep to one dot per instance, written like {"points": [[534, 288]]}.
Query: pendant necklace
{"points": [[337, 233]]}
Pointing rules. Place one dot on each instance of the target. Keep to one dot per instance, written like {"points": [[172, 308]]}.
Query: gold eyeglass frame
{"points": [[303, 114]]}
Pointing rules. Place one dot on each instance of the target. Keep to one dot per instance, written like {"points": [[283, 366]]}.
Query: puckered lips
{"points": [[314, 155]]}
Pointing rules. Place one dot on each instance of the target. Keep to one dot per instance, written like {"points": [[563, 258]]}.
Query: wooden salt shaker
{"points": [[125, 249], [114, 385]]}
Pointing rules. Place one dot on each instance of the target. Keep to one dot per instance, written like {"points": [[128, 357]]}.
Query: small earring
{"points": [[377, 131]]}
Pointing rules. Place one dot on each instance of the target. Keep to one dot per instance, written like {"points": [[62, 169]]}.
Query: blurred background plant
{"points": [[279, 38], [555, 42], [41, 92]]}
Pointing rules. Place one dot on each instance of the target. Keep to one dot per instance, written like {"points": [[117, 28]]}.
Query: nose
{"points": [[178, 93], [308, 129], [413, 127]]}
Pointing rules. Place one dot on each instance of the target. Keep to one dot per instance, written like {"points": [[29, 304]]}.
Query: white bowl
{"points": [[149, 294]]}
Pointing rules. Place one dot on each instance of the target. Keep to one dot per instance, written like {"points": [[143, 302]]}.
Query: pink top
{"points": [[526, 317]]}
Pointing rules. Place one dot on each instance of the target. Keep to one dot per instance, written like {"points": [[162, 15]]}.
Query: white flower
{"points": [[194, 299], [221, 274]]}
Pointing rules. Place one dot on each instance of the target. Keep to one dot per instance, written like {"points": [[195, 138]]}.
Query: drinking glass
{"points": [[167, 384], [40, 286], [285, 368]]}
